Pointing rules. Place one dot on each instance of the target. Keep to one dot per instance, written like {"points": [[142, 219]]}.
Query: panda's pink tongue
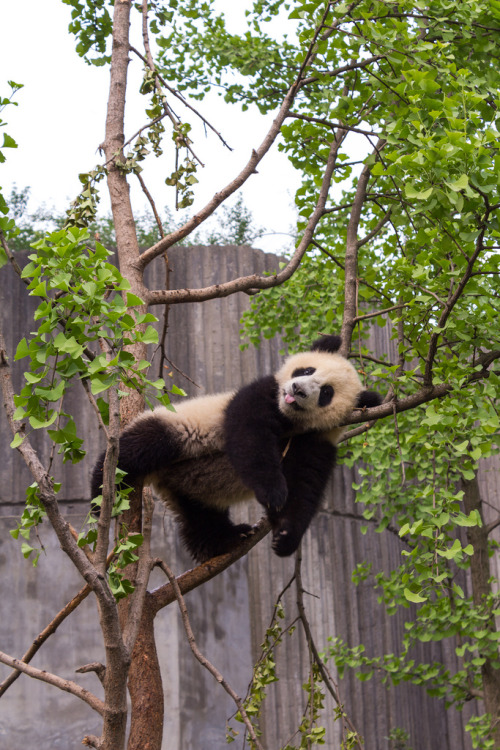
{"points": [[289, 399]]}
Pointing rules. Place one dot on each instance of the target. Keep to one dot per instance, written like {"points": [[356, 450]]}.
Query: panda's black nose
{"points": [[297, 390]]}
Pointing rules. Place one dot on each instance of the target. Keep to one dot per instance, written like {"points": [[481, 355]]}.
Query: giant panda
{"points": [[274, 440]]}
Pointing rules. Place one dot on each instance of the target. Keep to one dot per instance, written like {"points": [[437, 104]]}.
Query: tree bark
{"points": [[145, 688]]}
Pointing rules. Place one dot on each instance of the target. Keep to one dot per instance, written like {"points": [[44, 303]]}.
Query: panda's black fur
{"points": [[274, 439]]}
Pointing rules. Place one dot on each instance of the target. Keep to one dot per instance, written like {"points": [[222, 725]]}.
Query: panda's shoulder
{"points": [[256, 403], [261, 392]]}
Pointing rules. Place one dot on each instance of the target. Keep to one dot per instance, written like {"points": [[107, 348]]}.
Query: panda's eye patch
{"points": [[300, 371], [325, 395]]}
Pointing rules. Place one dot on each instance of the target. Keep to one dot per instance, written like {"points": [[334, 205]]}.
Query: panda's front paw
{"points": [[273, 497]]}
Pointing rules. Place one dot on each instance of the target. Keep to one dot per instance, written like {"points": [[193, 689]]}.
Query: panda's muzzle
{"points": [[291, 398], [297, 391]]}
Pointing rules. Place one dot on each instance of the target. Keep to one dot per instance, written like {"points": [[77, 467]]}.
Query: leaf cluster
{"points": [[92, 25]]}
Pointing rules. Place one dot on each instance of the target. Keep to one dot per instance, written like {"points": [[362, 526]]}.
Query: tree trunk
{"points": [[144, 679], [145, 687]]}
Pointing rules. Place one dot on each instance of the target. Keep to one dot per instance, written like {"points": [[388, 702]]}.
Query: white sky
{"points": [[59, 123]]}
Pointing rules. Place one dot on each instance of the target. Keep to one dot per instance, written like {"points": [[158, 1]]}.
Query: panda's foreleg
{"points": [[307, 467], [207, 531], [146, 445], [254, 429]]}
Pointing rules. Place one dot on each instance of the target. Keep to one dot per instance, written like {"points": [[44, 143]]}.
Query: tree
{"points": [[409, 240]]}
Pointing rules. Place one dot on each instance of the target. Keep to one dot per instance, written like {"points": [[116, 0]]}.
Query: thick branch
{"points": [[351, 256], [422, 396]]}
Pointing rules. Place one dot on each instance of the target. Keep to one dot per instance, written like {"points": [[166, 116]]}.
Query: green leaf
{"points": [[18, 439], [22, 350], [39, 424], [421, 195], [26, 549], [133, 300], [8, 142], [460, 184], [414, 598], [150, 336]]}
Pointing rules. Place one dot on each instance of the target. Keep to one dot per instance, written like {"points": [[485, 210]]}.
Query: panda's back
{"points": [[197, 424]]}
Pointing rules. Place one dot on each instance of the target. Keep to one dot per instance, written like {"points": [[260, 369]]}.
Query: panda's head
{"points": [[319, 389]]}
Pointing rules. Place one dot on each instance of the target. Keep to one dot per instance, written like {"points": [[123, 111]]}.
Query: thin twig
{"points": [[152, 204], [203, 660], [184, 101], [329, 684]]}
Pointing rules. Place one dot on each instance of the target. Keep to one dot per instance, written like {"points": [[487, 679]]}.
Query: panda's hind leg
{"points": [[206, 531]]}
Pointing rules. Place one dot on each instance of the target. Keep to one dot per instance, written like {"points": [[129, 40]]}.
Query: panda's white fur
{"points": [[274, 439], [198, 422]]}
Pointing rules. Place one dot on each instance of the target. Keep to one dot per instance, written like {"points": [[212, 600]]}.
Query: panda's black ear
{"points": [[368, 399], [327, 344]]}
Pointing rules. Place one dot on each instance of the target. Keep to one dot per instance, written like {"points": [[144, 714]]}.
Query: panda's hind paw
{"points": [[244, 530]]}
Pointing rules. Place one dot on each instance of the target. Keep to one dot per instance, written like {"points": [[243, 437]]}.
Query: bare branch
{"points": [[379, 312], [49, 630], [136, 600], [344, 69], [152, 204], [96, 667], [376, 229], [108, 482], [67, 685], [45, 634], [492, 526], [331, 125]]}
